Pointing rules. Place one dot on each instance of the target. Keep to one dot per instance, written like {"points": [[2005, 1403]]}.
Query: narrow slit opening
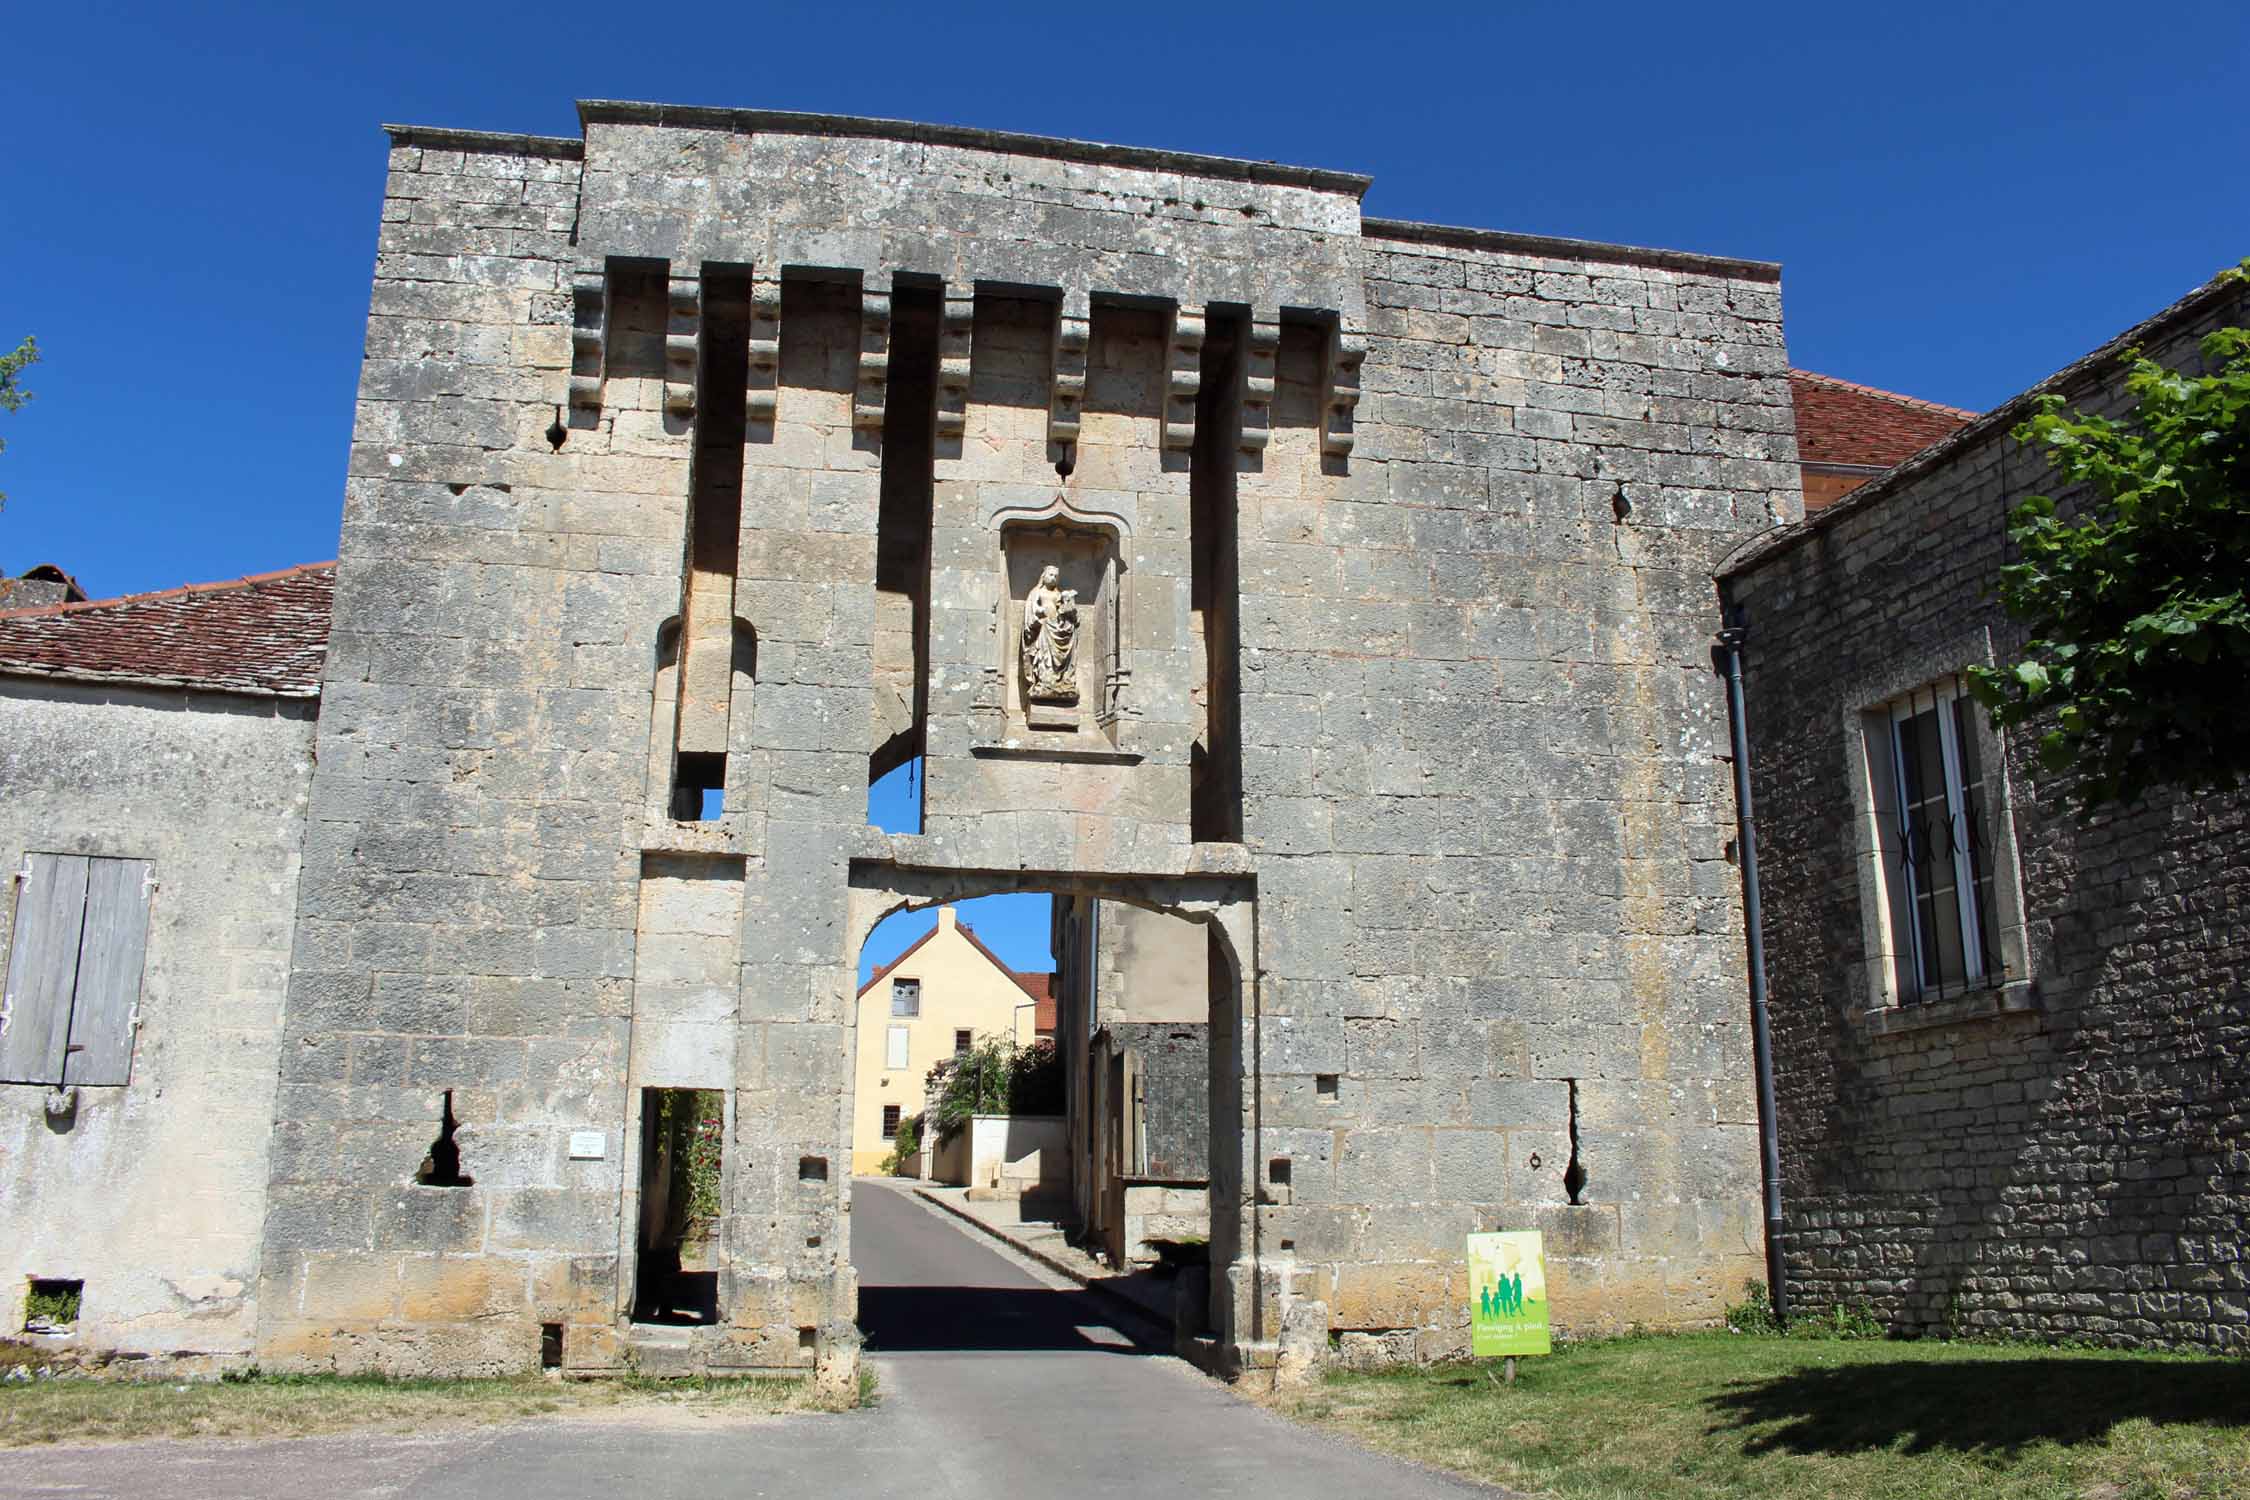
{"points": [[442, 1166], [1574, 1175], [1215, 756]]}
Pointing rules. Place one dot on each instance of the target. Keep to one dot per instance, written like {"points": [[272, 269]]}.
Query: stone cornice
{"points": [[1061, 148], [1507, 243]]}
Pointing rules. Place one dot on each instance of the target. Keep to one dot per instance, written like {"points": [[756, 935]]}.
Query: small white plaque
{"points": [[588, 1145]]}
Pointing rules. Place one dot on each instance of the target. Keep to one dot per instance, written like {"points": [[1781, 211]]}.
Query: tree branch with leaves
{"points": [[12, 393], [2139, 661]]}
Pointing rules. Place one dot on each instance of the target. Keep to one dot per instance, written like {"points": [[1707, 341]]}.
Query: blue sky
{"points": [[1964, 197]]}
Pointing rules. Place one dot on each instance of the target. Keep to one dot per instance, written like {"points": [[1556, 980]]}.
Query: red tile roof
{"points": [[1842, 423], [264, 634]]}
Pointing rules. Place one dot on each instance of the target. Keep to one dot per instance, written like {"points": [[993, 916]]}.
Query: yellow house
{"points": [[943, 993]]}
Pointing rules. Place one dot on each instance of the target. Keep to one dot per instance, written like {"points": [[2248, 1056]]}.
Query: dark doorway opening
{"points": [[676, 1249]]}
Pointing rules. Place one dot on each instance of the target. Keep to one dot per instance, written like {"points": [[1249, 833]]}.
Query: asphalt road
{"points": [[997, 1380]]}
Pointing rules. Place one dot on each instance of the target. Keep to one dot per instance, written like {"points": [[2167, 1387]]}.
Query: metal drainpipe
{"points": [[1761, 1027]]}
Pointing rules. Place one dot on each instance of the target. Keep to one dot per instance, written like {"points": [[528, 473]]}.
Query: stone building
{"points": [[1340, 585], [2009, 1044], [1134, 1037], [155, 759]]}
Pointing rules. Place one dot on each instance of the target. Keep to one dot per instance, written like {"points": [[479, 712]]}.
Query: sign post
{"points": [[1508, 1296]]}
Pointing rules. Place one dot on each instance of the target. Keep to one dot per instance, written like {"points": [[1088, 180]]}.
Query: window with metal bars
{"points": [[1938, 844]]}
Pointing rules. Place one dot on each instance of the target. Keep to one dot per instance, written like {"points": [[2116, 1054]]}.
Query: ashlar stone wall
{"points": [[1498, 928], [1393, 549]]}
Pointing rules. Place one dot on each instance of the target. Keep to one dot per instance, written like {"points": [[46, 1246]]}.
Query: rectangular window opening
{"points": [[895, 1048], [812, 1169], [890, 1122], [963, 1040], [699, 786], [682, 1203], [1326, 1085], [52, 1305], [906, 997], [550, 1346], [1934, 806]]}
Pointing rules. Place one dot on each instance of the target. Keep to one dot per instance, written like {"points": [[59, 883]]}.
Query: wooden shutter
{"points": [[109, 972], [42, 967]]}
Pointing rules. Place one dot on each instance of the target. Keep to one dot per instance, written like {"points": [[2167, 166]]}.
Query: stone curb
{"points": [[1054, 1263]]}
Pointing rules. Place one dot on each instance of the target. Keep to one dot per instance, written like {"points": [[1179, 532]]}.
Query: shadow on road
{"points": [[904, 1319], [1993, 1406]]}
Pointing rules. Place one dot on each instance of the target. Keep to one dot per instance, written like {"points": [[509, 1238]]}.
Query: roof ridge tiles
{"points": [[247, 580]]}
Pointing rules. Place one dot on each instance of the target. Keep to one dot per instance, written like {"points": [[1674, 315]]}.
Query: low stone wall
{"points": [[1010, 1154]]}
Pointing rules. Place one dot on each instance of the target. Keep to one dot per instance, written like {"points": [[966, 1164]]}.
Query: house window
{"points": [[962, 1041], [890, 1122], [74, 970], [906, 997], [1935, 811], [895, 1049]]}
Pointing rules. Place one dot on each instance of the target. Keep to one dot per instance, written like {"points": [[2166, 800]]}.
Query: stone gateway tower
{"points": [[1338, 584]]}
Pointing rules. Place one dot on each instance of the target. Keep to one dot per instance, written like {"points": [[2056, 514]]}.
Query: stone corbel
{"points": [[874, 359], [956, 341], [1339, 396], [589, 333], [1185, 377], [1258, 355], [1073, 331], [761, 395], [683, 324]]}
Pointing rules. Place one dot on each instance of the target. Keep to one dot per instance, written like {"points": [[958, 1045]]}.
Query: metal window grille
{"points": [[962, 1041], [890, 1122], [906, 997], [1944, 853]]}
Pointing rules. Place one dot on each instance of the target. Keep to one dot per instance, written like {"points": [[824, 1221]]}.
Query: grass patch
{"points": [[1705, 1414], [278, 1406]]}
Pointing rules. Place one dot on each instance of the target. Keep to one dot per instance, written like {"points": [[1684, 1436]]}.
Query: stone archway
{"points": [[1239, 1318]]}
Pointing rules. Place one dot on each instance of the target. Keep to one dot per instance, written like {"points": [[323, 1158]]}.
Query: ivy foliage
{"points": [[2139, 665], [12, 393]]}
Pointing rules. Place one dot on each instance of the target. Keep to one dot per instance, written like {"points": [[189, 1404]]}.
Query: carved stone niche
{"points": [[1060, 677]]}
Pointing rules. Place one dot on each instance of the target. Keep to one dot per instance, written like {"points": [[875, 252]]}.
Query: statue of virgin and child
{"points": [[1050, 640]]}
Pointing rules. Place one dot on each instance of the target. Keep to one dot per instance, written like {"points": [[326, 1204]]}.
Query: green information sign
{"points": [[1508, 1294]]}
